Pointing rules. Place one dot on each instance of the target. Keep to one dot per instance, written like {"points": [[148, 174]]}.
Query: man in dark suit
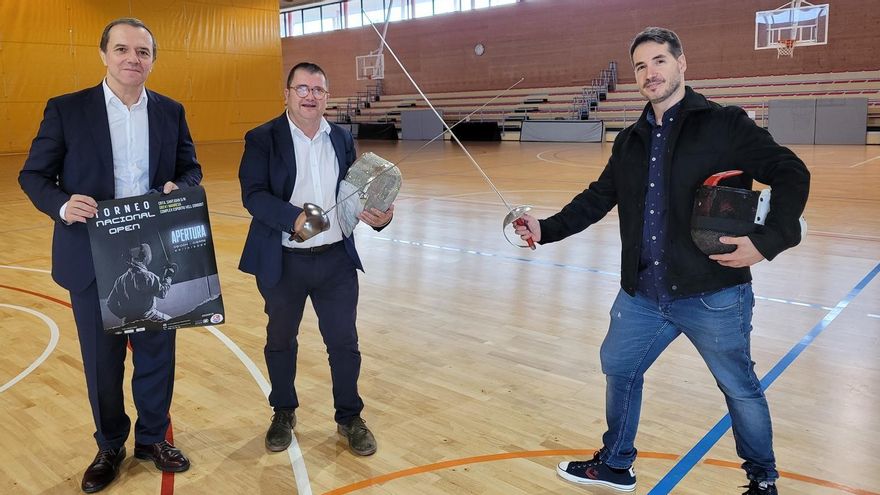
{"points": [[293, 159], [114, 140]]}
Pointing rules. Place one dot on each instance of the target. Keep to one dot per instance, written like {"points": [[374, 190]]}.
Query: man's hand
{"points": [[168, 187], [745, 254], [376, 218], [169, 271], [299, 222], [79, 208], [531, 230]]}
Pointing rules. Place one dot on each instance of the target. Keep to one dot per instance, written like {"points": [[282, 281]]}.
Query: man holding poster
{"points": [[113, 140]]}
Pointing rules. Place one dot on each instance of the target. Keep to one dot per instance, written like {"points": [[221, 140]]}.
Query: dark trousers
{"points": [[330, 280], [103, 358]]}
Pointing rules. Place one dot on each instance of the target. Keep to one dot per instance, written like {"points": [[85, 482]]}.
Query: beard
{"points": [[674, 85]]}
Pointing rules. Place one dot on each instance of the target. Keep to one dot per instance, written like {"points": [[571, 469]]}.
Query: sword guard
{"points": [[514, 216]]}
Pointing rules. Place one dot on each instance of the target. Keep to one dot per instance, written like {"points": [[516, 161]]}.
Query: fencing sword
{"points": [[164, 252], [168, 262], [514, 214], [317, 220]]}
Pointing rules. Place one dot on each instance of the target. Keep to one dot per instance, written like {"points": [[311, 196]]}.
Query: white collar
{"points": [[109, 95], [324, 126]]}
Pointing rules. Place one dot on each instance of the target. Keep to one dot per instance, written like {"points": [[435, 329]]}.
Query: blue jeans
{"points": [[718, 324]]}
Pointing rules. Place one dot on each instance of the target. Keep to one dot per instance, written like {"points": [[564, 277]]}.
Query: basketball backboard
{"points": [[370, 66], [797, 23]]}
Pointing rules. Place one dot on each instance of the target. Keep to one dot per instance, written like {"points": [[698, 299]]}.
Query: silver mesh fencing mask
{"points": [[371, 182]]}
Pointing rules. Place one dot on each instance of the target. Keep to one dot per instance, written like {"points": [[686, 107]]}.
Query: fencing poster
{"points": [[154, 262]]}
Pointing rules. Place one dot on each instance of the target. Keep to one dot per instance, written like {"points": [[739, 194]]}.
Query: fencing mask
{"points": [[371, 182]]}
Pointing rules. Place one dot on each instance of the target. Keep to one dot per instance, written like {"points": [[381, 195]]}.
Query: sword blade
{"points": [[431, 105], [397, 165]]}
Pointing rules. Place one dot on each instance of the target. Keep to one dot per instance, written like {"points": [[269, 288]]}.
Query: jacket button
{"points": [[674, 287]]}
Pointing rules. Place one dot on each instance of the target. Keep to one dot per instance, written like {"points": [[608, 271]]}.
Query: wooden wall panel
{"points": [[567, 42], [51, 48]]}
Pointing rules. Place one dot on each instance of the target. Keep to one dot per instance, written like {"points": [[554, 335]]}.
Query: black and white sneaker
{"points": [[596, 472], [760, 488]]}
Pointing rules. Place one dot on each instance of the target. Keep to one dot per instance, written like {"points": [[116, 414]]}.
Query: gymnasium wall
{"points": [[220, 58], [567, 43]]}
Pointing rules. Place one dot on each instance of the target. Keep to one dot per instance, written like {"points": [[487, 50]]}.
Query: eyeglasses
{"points": [[317, 91]]}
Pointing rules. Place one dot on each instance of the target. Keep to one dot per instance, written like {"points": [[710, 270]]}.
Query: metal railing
{"points": [[591, 95]]}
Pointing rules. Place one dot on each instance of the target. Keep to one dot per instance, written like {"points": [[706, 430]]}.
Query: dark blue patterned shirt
{"points": [[652, 267]]}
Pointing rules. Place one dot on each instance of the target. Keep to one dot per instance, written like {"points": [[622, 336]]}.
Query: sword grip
{"points": [[521, 222]]}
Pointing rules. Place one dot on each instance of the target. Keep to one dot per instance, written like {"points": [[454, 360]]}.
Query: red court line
{"points": [[44, 296], [167, 478], [437, 466]]}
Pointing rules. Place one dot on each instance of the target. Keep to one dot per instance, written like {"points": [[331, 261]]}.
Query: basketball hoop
{"points": [[370, 67], [785, 48]]}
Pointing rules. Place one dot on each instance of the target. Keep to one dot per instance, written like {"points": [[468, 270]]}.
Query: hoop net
{"points": [[785, 48], [370, 67]]}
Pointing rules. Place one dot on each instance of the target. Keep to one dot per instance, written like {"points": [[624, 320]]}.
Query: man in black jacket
{"points": [[669, 286]]}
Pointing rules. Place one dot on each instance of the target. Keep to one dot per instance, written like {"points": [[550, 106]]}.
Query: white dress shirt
{"points": [[317, 172], [130, 139], [130, 143]]}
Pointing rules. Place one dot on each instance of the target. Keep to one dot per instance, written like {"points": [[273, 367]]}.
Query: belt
{"points": [[311, 250]]}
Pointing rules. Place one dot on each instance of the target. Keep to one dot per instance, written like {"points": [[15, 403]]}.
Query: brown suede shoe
{"points": [[360, 439], [103, 470], [164, 456]]}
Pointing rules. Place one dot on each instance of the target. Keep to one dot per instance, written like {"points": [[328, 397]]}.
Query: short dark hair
{"points": [[657, 35], [130, 21], [309, 67]]}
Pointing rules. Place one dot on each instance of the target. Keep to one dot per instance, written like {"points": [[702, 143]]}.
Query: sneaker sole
{"points": [[581, 481]]}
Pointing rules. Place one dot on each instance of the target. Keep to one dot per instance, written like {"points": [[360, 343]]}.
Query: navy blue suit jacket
{"points": [[267, 174], [72, 154]]}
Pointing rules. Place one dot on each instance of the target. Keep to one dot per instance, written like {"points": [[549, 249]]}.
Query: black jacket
{"points": [[707, 139]]}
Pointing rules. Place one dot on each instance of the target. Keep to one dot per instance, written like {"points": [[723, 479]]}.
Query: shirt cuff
{"points": [[61, 213]]}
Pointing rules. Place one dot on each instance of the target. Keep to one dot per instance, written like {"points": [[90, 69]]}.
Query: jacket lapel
{"points": [[96, 109], [338, 141], [156, 123], [284, 147]]}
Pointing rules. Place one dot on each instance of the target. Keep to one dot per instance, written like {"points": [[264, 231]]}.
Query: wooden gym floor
{"points": [[480, 359]]}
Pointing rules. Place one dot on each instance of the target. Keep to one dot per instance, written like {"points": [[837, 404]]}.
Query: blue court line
{"points": [[686, 463], [566, 266]]}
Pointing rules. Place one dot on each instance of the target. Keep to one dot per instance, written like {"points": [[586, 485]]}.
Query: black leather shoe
{"points": [[279, 435], [360, 439], [164, 456], [103, 470]]}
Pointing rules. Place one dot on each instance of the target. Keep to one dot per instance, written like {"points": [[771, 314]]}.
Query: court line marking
{"points": [[50, 346], [864, 162], [692, 457], [564, 266], [13, 267], [297, 461], [566, 164], [437, 466]]}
